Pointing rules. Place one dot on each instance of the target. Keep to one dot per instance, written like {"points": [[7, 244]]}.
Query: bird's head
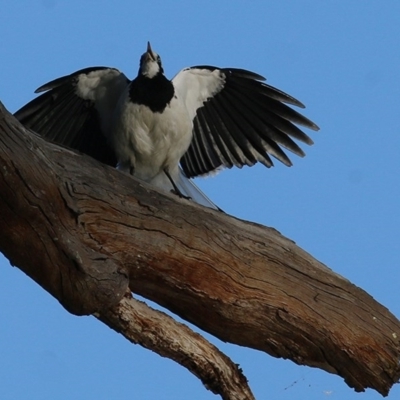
{"points": [[150, 63]]}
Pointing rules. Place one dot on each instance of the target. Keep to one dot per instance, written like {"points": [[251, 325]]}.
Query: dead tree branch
{"points": [[157, 331], [88, 233]]}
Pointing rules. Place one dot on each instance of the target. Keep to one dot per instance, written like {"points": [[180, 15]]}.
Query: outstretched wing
{"points": [[238, 120], [76, 110]]}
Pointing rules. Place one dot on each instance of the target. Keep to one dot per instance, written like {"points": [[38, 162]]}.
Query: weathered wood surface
{"points": [[86, 233]]}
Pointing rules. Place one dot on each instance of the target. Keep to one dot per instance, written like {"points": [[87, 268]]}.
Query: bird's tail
{"points": [[184, 184], [188, 188]]}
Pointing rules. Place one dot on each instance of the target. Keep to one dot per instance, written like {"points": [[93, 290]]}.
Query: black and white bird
{"points": [[163, 131]]}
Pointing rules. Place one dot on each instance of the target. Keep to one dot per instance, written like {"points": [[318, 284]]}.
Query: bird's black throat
{"points": [[155, 93]]}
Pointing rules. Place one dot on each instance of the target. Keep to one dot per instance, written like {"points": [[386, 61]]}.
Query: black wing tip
{"points": [[315, 127], [55, 83], [42, 88], [238, 72], [309, 124], [59, 81], [244, 73], [285, 160]]}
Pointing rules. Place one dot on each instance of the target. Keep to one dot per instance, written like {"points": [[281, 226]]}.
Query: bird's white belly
{"points": [[150, 142]]}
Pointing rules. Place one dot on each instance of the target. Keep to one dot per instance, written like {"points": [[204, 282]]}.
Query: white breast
{"points": [[148, 141]]}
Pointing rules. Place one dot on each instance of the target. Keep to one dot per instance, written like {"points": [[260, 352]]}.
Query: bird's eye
{"points": [[159, 59]]}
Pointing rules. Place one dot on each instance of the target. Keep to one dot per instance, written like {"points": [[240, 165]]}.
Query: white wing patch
{"points": [[103, 87], [194, 86], [91, 86]]}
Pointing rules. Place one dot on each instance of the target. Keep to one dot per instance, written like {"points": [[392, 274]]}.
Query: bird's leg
{"points": [[132, 170], [176, 189]]}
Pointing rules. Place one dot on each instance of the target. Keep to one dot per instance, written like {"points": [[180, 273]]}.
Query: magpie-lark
{"points": [[166, 131]]}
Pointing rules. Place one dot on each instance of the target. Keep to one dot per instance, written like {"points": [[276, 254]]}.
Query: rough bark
{"points": [[88, 233], [157, 331]]}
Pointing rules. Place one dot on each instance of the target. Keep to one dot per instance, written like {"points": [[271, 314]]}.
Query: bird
{"points": [[166, 132]]}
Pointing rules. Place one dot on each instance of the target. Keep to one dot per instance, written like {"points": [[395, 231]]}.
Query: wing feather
{"points": [[267, 128], [76, 110], [238, 119]]}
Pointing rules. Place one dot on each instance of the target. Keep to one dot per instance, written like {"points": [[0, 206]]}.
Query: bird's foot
{"points": [[181, 195]]}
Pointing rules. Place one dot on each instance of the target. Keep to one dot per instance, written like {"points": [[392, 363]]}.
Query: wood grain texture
{"points": [[86, 232], [155, 330]]}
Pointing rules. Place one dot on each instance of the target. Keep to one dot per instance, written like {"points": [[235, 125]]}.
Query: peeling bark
{"points": [[86, 233]]}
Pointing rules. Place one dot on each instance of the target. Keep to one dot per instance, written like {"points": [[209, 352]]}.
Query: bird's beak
{"points": [[150, 52]]}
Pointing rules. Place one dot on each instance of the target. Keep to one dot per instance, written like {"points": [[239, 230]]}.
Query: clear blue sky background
{"points": [[340, 203]]}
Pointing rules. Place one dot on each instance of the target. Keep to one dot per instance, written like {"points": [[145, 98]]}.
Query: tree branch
{"points": [[87, 232], [157, 331]]}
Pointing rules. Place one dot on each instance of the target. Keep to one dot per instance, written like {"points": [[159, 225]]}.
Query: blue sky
{"points": [[340, 203]]}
